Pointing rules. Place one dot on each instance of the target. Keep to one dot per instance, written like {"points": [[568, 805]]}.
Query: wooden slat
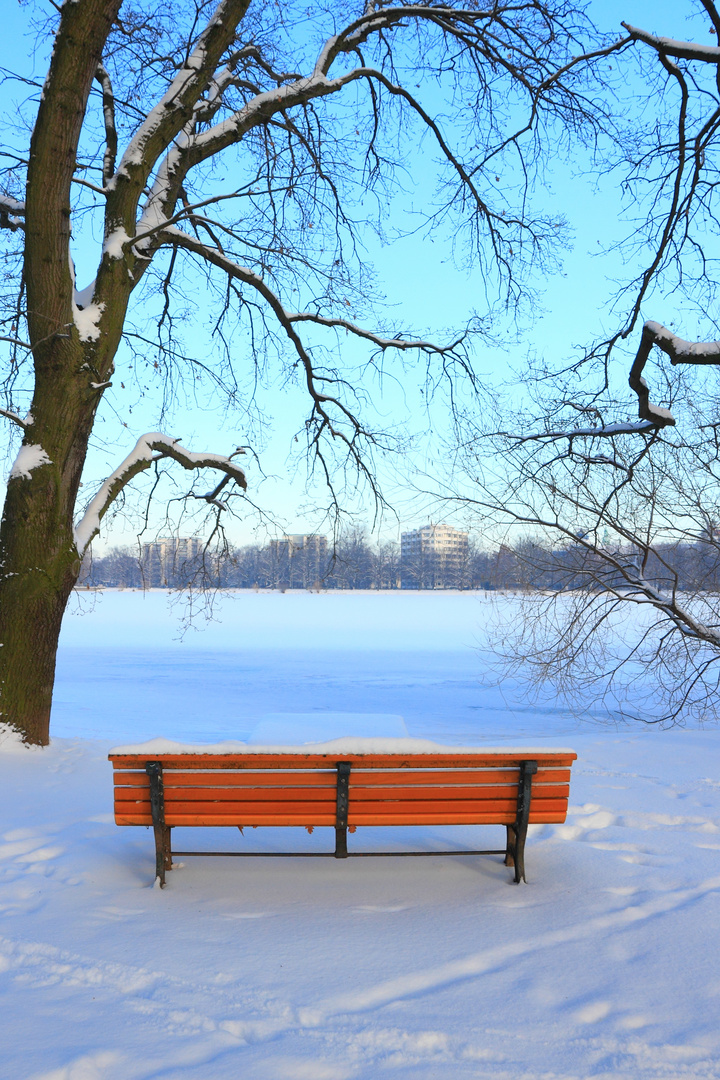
{"points": [[386, 777], [290, 807], [131, 779], [359, 820], [326, 779], [309, 794], [358, 779], [278, 796], [125, 808], [359, 785], [389, 812], [452, 818], [395, 794], [231, 794], [238, 810], [447, 806], [319, 761], [233, 821]]}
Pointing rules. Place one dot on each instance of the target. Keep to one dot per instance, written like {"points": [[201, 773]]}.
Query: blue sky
{"points": [[426, 289]]}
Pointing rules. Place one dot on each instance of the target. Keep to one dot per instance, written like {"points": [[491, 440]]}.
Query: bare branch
{"points": [[11, 211], [165, 122], [149, 449], [9, 205], [608, 431], [111, 139], [682, 50], [382, 342], [680, 352], [9, 415], [16, 341]]}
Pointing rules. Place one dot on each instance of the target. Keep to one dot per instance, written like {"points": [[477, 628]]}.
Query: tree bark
{"points": [[40, 562], [39, 571]]}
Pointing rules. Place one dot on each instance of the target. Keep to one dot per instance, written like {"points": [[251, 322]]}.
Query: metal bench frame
{"points": [[514, 850]]}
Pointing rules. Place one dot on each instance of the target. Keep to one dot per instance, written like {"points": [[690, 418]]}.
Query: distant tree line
{"points": [[356, 563]]}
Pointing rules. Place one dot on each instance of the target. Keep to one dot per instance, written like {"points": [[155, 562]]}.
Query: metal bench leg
{"points": [[341, 813], [163, 849], [341, 851], [510, 845], [527, 771]]}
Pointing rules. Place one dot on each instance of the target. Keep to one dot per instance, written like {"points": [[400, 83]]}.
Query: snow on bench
{"points": [[345, 784]]}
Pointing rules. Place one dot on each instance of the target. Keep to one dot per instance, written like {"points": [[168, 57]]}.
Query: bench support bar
{"points": [[163, 850], [517, 833], [341, 812], [331, 855]]}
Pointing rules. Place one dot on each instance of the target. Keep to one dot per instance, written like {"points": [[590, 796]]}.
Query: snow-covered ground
{"points": [[604, 965]]}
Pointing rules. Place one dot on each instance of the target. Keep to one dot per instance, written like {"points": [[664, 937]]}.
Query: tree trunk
{"points": [[39, 560], [39, 563], [34, 591]]}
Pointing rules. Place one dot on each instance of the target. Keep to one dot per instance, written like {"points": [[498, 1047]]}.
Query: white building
{"points": [[169, 560], [434, 557], [299, 560]]}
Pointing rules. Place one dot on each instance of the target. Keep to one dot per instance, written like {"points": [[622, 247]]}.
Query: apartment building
{"points": [[170, 560], [298, 560], [434, 557]]}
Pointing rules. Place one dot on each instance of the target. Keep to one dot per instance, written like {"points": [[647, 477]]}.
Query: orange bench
{"points": [[344, 791]]}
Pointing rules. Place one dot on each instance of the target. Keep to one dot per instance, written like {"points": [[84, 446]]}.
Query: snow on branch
{"points": [[11, 210], [302, 88], [264, 106], [652, 417], [9, 415], [168, 118], [606, 431], [682, 50], [647, 593], [149, 448], [630, 585], [371, 22], [319, 84], [680, 352], [111, 139]]}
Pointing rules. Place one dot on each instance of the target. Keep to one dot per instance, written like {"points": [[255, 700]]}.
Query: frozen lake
{"points": [[418, 656]]}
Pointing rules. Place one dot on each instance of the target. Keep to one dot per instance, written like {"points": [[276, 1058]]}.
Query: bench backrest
{"points": [[301, 789]]}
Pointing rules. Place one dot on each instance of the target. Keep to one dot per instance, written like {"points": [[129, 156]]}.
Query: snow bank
{"points": [[11, 743], [366, 969]]}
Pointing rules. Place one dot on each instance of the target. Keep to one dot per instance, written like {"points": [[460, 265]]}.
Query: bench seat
{"points": [[342, 791]]}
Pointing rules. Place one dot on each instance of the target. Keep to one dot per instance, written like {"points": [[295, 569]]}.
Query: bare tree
{"points": [[240, 140], [626, 505], [624, 604]]}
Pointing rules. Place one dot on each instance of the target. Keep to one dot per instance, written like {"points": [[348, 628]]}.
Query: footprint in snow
{"points": [[249, 914], [116, 913], [592, 1012], [380, 909]]}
